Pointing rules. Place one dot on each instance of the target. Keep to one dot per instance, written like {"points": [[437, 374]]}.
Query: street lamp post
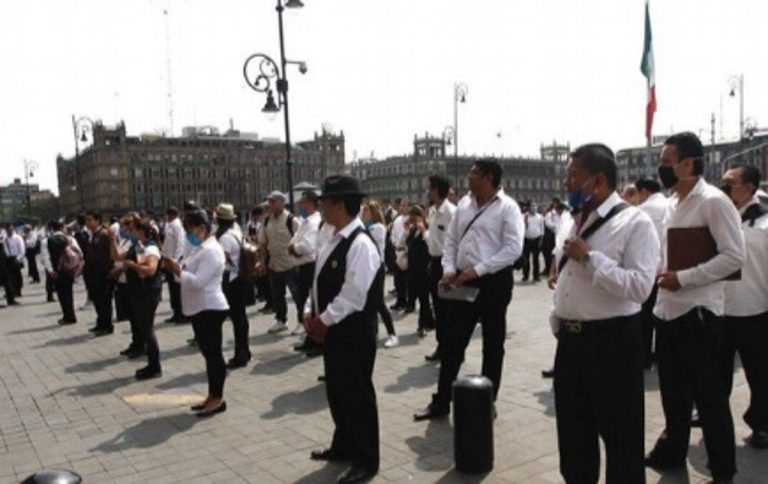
{"points": [[29, 172], [460, 91], [737, 84], [80, 128], [267, 72]]}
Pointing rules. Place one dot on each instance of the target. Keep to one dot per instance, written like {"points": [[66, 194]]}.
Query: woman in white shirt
{"points": [[203, 301], [373, 217]]}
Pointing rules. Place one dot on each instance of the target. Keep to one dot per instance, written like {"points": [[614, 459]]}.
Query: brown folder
{"points": [[691, 246]]}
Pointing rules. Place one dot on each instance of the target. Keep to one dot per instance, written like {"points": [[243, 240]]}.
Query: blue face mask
{"points": [[134, 239], [578, 198], [193, 240], [369, 224], [302, 212]]}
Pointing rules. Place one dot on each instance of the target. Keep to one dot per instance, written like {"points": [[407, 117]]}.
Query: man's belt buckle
{"points": [[573, 326]]}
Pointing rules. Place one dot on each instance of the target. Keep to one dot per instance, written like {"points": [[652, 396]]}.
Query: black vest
{"points": [[56, 245], [142, 285], [331, 278]]}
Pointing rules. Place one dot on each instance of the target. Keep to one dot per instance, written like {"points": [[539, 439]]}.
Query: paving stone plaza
{"points": [[69, 401]]}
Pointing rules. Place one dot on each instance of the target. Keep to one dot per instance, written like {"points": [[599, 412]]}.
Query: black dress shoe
{"points": [[210, 413], [409, 310], [758, 439], [235, 363], [136, 353], [329, 455], [658, 463], [396, 307], [548, 373], [50, 299], [64, 322], [431, 412], [103, 332], [433, 357], [356, 474], [303, 346], [321, 378], [147, 373], [198, 407], [93, 329]]}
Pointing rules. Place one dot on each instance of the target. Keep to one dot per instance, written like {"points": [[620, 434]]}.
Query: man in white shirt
{"points": [[440, 217], [274, 240], [605, 270], [654, 203], [551, 224], [689, 308], [31, 249], [746, 302], [173, 248], [484, 240], [397, 237], [341, 314], [15, 252], [303, 248], [534, 231]]}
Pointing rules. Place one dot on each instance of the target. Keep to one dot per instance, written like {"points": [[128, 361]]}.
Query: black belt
{"points": [[576, 326]]}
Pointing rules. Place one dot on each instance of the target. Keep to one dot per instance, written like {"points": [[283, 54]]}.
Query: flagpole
{"points": [[648, 147]]}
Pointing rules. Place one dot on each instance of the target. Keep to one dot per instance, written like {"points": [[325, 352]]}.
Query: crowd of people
{"points": [[624, 296]]}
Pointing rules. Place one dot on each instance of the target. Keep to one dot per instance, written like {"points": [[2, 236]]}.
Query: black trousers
{"points": [[122, 305], [401, 286], [50, 288], [418, 289], [349, 354], [278, 282], [174, 290], [13, 276], [439, 305], [531, 253], [236, 297], [490, 310], [263, 290], [207, 327], [144, 305], [63, 285], [101, 293], [649, 322], [32, 270], [689, 353], [306, 277], [386, 317], [547, 247], [749, 337], [599, 394]]}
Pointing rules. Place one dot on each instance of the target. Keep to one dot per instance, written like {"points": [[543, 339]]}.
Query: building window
{"points": [[113, 171]]}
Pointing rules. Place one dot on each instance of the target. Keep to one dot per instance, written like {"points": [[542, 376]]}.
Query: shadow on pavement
{"points": [[437, 440], [304, 402], [148, 433], [277, 362], [329, 473], [34, 330], [455, 476], [101, 388], [48, 315], [415, 377], [69, 340], [547, 400], [183, 381], [93, 366]]}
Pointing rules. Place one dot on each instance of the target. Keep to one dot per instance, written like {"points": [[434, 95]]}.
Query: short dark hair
{"points": [[351, 203], [190, 206], [172, 211], [196, 219], [55, 225], [490, 167], [441, 184], [597, 158], [398, 201], [94, 215], [749, 174], [257, 211], [688, 146], [311, 197], [648, 184]]}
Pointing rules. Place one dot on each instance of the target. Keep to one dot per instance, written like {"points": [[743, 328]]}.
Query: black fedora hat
{"points": [[342, 186]]}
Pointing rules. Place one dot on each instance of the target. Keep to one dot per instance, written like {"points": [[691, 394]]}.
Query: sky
{"points": [[380, 70]]}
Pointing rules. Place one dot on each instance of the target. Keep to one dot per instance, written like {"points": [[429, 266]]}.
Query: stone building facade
{"points": [[118, 172]]}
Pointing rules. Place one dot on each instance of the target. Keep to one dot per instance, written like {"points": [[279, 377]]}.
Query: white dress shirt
{"points": [[534, 225], [439, 221], [30, 240], [705, 206], [15, 247], [363, 262], [231, 242], [656, 206], [379, 235], [493, 242], [173, 246], [201, 276], [398, 228], [621, 270], [749, 296], [305, 239], [552, 220]]}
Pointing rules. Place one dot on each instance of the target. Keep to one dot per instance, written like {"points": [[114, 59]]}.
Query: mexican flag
{"points": [[648, 68]]}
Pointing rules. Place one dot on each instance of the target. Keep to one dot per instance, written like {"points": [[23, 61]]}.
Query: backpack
{"points": [[71, 262], [249, 260], [288, 223]]}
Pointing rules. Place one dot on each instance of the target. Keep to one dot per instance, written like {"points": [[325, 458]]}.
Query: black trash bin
{"points": [[473, 424], [53, 476]]}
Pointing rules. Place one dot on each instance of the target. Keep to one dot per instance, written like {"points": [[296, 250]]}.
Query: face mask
{"points": [[302, 212], [193, 240], [578, 198], [134, 239], [369, 224], [667, 176]]}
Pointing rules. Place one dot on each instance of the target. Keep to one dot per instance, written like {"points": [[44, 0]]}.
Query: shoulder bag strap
{"points": [[586, 233]]}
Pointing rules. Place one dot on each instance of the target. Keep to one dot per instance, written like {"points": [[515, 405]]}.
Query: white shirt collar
{"points": [[349, 228], [610, 202]]}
